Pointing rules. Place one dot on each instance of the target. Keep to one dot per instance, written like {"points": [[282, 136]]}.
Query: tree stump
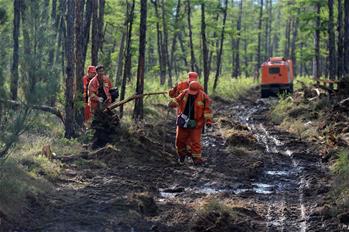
{"points": [[106, 126]]}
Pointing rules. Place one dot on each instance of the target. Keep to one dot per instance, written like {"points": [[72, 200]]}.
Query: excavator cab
{"points": [[277, 76]]}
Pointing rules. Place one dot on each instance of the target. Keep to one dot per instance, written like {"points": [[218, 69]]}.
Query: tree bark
{"points": [[340, 45], [54, 27], [270, 48], [331, 43], [287, 37], [101, 24], [259, 37], [69, 82], [138, 112], [316, 62], [127, 65], [86, 28], [79, 64], [184, 51], [15, 57], [165, 44], [160, 47], [192, 54], [236, 71], [219, 55], [293, 42], [346, 38], [204, 47], [176, 33], [95, 34], [120, 56]]}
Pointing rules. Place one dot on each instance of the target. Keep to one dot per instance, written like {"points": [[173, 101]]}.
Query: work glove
{"points": [[100, 99]]}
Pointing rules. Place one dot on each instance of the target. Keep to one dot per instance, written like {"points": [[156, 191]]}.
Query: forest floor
{"points": [[257, 178]]}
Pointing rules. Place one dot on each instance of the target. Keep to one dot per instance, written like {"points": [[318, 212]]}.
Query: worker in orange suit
{"points": [[181, 86], [194, 111], [98, 90], [91, 72]]}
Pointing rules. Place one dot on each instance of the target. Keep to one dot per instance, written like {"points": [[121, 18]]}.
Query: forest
{"points": [[276, 163]]}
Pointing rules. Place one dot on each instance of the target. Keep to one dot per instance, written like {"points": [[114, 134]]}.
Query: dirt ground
{"points": [[257, 178]]}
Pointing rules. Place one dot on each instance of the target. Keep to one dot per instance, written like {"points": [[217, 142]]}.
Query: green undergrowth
{"points": [[231, 89], [340, 168], [312, 121], [16, 185]]}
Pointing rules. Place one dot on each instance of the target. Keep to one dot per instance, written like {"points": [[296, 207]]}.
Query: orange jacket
{"points": [[202, 107], [93, 91], [85, 81], [179, 88]]}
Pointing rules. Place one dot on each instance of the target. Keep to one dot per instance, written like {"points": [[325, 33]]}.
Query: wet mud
{"points": [[270, 181]]}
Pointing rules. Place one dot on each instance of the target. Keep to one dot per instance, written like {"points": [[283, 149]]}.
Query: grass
{"points": [[340, 168], [231, 89], [15, 185]]}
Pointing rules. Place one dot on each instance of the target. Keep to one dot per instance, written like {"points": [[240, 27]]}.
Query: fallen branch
{"points": [[44, 108], [120, 103]]}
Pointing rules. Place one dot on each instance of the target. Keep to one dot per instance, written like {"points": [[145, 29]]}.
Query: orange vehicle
{"points": [[277, 76]]}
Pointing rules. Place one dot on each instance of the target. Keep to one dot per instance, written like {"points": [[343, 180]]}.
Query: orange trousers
{"points": [[188, 137], [87, 112]]}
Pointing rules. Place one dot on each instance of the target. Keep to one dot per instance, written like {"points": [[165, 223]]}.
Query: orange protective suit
{"points": [[202, 115], [93, 91], [87, 110], [91, 72]]}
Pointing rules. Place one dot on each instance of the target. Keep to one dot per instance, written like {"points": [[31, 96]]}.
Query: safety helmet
{"points": [[192, 76], [194, 88], [91, 69]]}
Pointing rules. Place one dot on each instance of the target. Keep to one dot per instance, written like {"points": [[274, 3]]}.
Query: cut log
{"points": [[44, 108]]}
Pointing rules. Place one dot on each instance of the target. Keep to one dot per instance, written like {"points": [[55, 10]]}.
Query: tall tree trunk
{"points": [[266, 30], [270, 47], [165, 44], [340, 45], [160, 46], [54, 27], [192, 54], [184, 51], [331, 43], [128, 56], [258, 61], [138, 109], [95, 34], [293, 42], [79, 65], [176, 32], [236, 71], [204, 47], [69, 82], [120, 56], [14, 68], [101, 24], [287, 37], [86, 28], [316, 62], [346, 38], [219, 56]]}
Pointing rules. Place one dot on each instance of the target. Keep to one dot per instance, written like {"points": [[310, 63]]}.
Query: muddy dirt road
{"points": [[270, 181]]}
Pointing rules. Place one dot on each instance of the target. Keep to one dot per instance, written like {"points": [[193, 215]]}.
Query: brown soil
{"points": [[266, 179]]}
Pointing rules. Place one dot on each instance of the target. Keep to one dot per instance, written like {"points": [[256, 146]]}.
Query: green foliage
{"points": [[279, 111], [341, 166], [232, 88], [15, 186]]}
